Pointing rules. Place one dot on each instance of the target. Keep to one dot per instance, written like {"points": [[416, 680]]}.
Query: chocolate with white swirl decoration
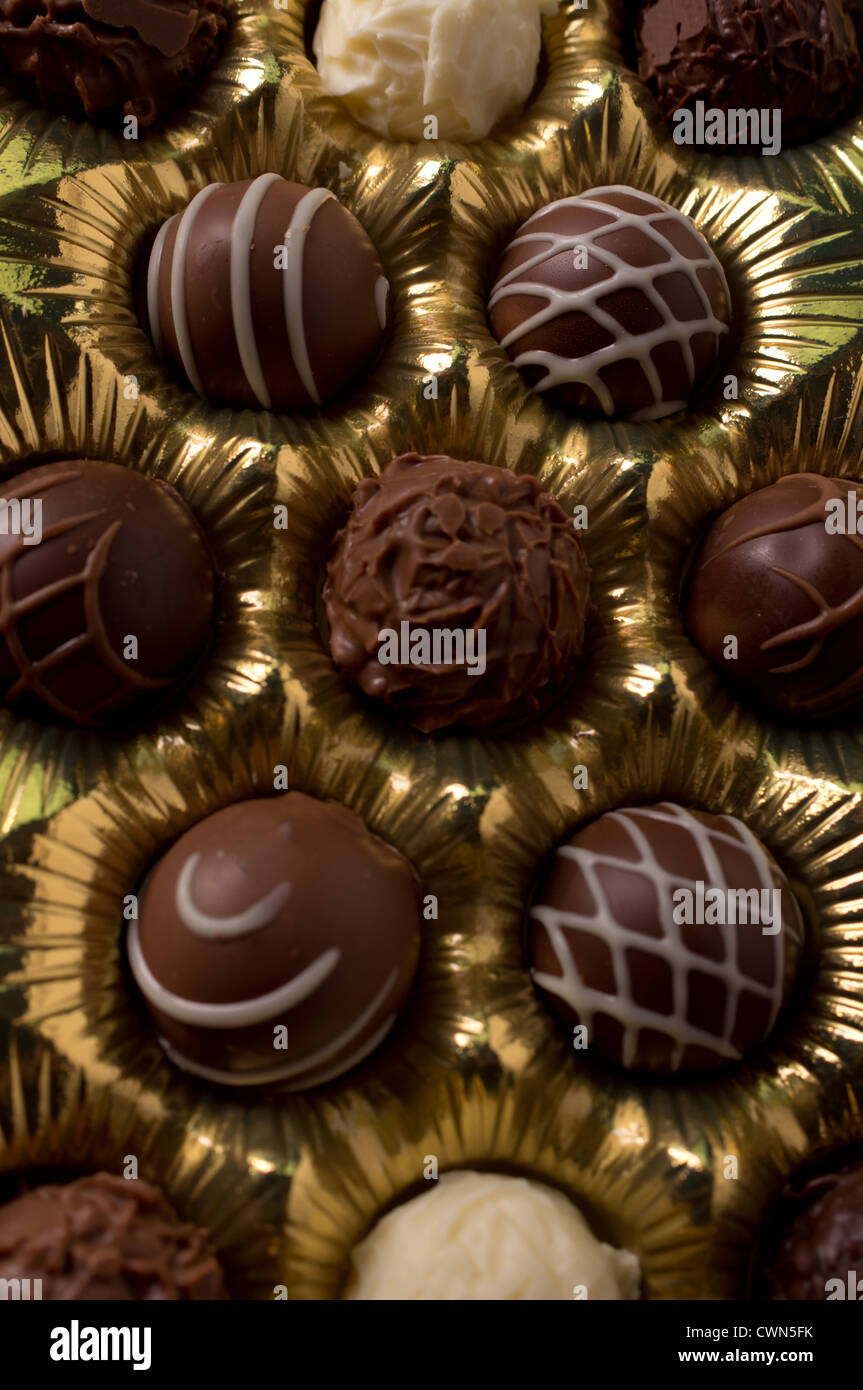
{"points": [[266, 294], [270, 915]]}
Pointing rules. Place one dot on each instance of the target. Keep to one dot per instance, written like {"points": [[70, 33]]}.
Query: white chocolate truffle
{"points": [[468, 63], [484, 1236]]}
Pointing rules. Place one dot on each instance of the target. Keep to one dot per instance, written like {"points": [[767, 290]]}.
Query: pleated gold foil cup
{"points": [[476, 1073]]}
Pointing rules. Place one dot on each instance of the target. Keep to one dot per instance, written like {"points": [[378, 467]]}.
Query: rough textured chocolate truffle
{"points": [[101, 58], [666, 976], [266, 294], [90, 623], [105, 1237], [611, 302], [815, 1247], [274, 915], [798, 55], [457, 592], [771, 575]]}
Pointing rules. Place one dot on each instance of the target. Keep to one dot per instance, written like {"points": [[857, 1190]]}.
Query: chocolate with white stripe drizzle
{"points": [[266, 294]]}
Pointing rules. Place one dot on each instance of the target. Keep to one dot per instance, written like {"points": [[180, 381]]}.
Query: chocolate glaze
{"points": [[815, 1235], [770, 574], [611, 302], [117, 549], [105, 1237], [302, 329], [440, 543], [658, 995], [102, 58], [799, 55], [288, 894]]}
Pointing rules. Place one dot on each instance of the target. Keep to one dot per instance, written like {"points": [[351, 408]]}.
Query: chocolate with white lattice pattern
{"points": [[611, 303], [609, 946]]}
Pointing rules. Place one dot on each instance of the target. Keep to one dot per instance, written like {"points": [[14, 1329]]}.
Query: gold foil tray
{"points": [[477, 1073]]}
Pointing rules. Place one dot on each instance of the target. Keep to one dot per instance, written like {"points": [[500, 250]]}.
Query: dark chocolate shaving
{"points": [[799, 55], [101, 59], [167, 25]]}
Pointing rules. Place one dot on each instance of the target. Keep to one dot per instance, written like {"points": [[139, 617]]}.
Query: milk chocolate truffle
{"points": [[278, 940], [800, 57], [90, 623], [266, 294], [104, 58], [815, 1249], [457, 593], [777, 574], [106, 1237], [611, 303], [671, 934], [486, 1236]]}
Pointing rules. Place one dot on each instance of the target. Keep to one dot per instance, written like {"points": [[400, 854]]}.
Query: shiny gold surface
{"points": [[477, 1073]]}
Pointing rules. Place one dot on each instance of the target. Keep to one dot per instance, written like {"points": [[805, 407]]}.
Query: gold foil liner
{"points": [[476, 1073]]}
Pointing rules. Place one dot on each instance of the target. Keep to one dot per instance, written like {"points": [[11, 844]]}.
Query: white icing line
{"points": [[242, 240], [751, 842], [153, 270], [382, 289], [586, 370], [224, 928], [241, 1014], [256, 1077], [318, 1078], [280, 1071], [295, 238], [178, 287]]}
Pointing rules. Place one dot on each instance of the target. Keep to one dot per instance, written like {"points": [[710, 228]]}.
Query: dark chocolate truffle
{"points": [[278, 940], [106, 1237], [101, 58], [457, 592], [611, 302], [90, 622], [266, 294], [814, 1245], [672, 935], [776, 575], [800, 56]]}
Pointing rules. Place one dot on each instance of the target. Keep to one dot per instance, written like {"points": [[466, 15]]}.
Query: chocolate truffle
{"points": [[672, 935], [797, 56], [278, 940], [103, 58], [776, 574], [485, 1236], [815, 1247], [611, 303], [266, 294], [92, 561], [106, 1237], [465, 63], [457, 593]]}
